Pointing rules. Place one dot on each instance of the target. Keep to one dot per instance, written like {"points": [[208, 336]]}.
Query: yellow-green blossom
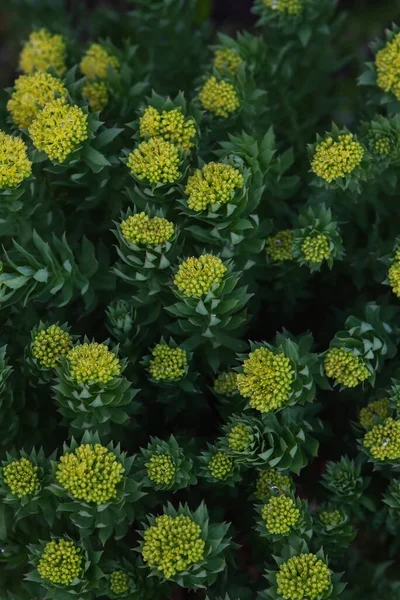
{"points": [[215, 183], [21, 476], [173, 545], [219, 97], [15, 165], [96, 93], [220, 466], [227, 59], [90, 473], [119, 583], [287, 7], [93, 363], [197, 276], [378, 409], [387, 64], [61, 562], [279, 247], [303, 577], [49, 345], [225, 383], [156, 161], [334, 159], [141, 229], [383, 146], [239, 438], [43, 50], [331, 518], [394, 274], [96, 61], [383, 441], [266, 379], [59, 129], [316, 248], [171, 125], [167, 364], [280, 515], [270, 481], [161, 469], [31, 93], [346, 368]]}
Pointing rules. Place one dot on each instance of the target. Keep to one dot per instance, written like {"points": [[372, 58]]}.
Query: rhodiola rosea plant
{"points": [[199, 304]]}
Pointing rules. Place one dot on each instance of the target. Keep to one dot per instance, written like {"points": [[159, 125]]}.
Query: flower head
{"points": [[287, 7], [280, 514], [161, 469], [156, 161], [266, 379], [315, 248], [96, 61], [239, 438], [197, 276], [383, 441], [303, 576], [382, 146], [49, 345], [225, 383], [43, 50], [61, 562], [15, 165], [167, 364], [219, 97], [269, 482], [90, 473], [220, 466], [331, 518], [394, 274], [31, 93], [93, 363], [171, 125], [227, 59], [119, 582], [140, 229], [346, 368], [387, 64], [21, 476], [96, 93], [279, 246], [334, 159], [215, 183], [173, 544], [378, 409], [59, 129]]}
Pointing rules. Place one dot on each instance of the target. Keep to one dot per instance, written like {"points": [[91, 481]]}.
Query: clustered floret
{"points": [[93, 363], [170, 125], [141, 229], [394, 274], [376, 410], [173, 544], [21, 476], [303, 577], [167, 364], [215, 183], [331, 518], [161, 469], [43, 50], [155, 160], [119, 582], [388, 67], [90, 473], [197, 276], [334, 159], [316, 248], [61, 562], [96, 93], [266, 379], [270, 482], [346, 368], [383, 146], [227, 59], [220, 466], [219, 97], [287, 7], [279, 247], [383, 441], [239, 438], [15, 165], [225, 383], [49, 345], [280, 515], [96, 62]]}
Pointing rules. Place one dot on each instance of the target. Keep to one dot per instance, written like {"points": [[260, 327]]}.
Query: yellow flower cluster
{"points": [[383, 441], [31, 93], [15, 165], [141, 229], [303, 577], [59, 129], [387, 64], [173, 545], [227, 59], [239, 438], [170, 125], [93, 363], [266, 379], [96, 61], [215, 183], [156, 161], [96, 93], [21, 476], [167, 364], [90, 473], [334, 159], [219, 97], [61, 562], [288, 7], [49, 345], [279, 246], [316, 248], [119, 583], [43, 50], [394, 274], [269, 482], [331, 518], [161, 469], [378, 409], [197, 276], [280, 515], [220, 466], [346, 368], [383, 146], [225, 383]]}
